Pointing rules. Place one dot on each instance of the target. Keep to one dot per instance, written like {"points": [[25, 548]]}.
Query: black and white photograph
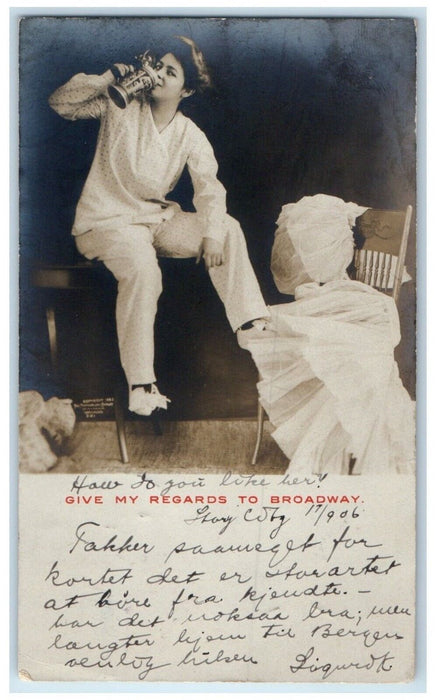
{"points": [[217, 244]]}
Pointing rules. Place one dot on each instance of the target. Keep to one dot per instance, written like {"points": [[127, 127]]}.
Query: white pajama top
{"points": [[135, 166]]}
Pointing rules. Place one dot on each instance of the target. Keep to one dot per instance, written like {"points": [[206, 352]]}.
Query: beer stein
{"points": [[142, 79]]}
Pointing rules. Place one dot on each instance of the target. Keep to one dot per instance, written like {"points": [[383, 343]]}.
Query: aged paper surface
{"points": [[187, 562], [241, 586]]}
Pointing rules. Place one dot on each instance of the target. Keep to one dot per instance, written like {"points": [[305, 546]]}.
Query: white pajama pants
{"points": [[130, 253]]}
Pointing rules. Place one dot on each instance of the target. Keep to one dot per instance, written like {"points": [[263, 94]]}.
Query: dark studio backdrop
{"points": [[300, 107]]}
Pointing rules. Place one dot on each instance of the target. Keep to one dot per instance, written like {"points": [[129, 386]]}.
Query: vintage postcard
{"points": [[217, 464]]}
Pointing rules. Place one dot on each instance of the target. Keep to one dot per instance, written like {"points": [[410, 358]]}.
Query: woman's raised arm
{"points": [[82, 97]]}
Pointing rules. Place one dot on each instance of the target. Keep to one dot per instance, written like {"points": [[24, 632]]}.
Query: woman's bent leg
{"points": [[129, 254], [234, 280]]}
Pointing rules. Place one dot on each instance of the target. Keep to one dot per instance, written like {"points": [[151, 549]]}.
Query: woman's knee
{"points": [[180, 237], [142, 270], [137, 266]]}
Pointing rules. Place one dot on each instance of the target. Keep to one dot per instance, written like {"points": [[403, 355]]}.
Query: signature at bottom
{"points": [[306, 662]]}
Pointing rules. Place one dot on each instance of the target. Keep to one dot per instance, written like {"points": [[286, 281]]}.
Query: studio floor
{"points": [[201, 446]]}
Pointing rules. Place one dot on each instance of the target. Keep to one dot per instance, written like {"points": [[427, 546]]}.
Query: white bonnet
{"points": [[313, 241]]}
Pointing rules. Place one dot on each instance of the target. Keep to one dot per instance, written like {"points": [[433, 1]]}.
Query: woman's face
{"points": [[171, 80]]}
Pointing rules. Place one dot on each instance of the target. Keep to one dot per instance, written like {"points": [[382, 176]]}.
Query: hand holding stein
{"points": [[130, 81]]}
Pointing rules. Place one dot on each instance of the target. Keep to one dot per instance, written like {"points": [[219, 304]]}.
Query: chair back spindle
{"points": [[379, 259]]}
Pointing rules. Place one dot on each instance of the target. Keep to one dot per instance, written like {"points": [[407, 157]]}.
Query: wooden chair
{"points": [[381, 243], [81, 276]]}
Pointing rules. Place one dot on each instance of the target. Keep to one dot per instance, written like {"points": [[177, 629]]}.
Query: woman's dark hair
{"points": [[197, 75]]}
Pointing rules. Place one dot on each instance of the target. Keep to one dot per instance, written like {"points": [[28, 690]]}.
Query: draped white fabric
{"points": [[330, 384]]}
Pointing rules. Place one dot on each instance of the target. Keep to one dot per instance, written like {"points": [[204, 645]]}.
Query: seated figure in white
{"points": [[329, 382]]}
